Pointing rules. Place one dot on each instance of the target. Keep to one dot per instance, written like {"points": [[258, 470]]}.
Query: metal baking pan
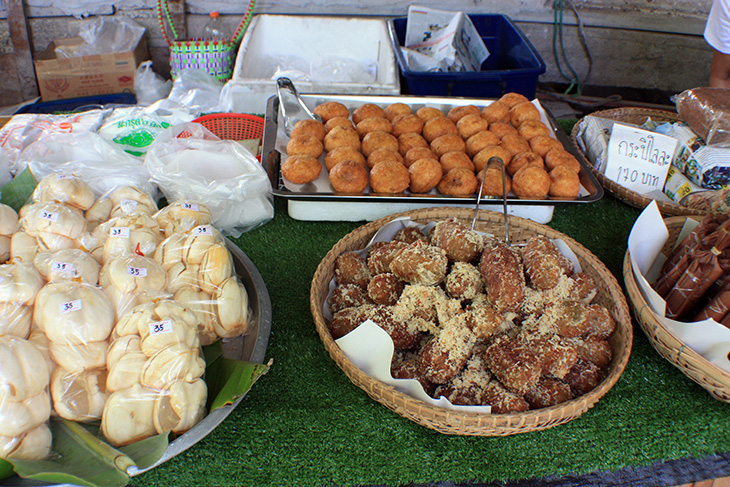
{"points": [[275, 140]]}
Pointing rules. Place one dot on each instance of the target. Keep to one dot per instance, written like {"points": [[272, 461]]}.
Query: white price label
{"points": [[203, 230], [126, 202], [137, 271], [69, 306], [189, 206], [639, 159], [160, 327], [64, 267], [66, 176], [49, 215], [121, 232]]}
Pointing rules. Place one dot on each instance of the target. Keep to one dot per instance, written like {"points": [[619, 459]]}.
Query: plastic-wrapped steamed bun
{"points": [[67, 265], [154, 373], [55, 226], [183, 216], [123, 200], [64, 189], [131, 280], [25, 404], [77, 319], [136, 233], [8, 226]]}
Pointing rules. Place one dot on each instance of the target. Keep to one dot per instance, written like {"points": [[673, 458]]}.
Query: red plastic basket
{"points": [[231, 126]]}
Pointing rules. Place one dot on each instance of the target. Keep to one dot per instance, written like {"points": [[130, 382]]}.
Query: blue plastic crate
{"points": [[513, 64], [79, 104]]}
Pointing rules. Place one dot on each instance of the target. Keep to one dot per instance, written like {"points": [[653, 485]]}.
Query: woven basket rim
{"points": [[632, 198], [460, 422], [709, 376]]}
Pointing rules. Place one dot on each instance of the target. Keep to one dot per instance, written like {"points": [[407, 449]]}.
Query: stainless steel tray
{"points": [[250, 347], [275, 140]]}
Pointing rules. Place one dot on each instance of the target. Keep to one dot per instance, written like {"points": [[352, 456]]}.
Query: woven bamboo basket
{"points": [[637, 116], [472, 423], [708, 375]]}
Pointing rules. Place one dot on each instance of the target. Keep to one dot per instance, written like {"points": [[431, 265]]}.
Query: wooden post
{"points": [[22, 52]]}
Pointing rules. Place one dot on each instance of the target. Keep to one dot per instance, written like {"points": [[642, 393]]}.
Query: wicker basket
{"points": [[636, 116], [708, 375], [472, 423]]}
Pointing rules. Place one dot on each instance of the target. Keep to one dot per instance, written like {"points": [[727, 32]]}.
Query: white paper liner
{"points": [[370, 347], [708, 338]]}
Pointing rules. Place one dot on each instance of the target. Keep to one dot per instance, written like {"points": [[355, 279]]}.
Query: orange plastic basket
{"points": [[233, 126]]}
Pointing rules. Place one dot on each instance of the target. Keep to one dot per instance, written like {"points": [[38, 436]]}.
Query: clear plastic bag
{"points": [[149, 86], [220, 172], [104, 35]]}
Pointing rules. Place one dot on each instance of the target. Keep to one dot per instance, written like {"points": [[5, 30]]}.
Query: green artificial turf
{"points": [[306, 424]]}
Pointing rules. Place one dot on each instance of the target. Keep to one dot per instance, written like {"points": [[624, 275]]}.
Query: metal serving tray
{"points": [[275, 140]]}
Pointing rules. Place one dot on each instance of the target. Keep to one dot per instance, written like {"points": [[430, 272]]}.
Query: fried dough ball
{"points": [[424, 174], [458, 182], [347, 296], [479, 141], [464, 281], [406, 124], [523, 111], [532, 128], [460, 243], [504, 278], [373, 124], [409, 235], [349, 177], [380, 256], [427, 113], [561, 157], [330, 109], [378, 140], [523, 159], [511, 99], [544, 264], [346, 320], [447, 143], [304, 145], [496, 112], [471, 124], [382, 155], [564, 183], [389, 177], [482, 157], [395, 109], [542, 144], [500, 129], [367, 110], [410, 140], [514, 144], [456, 113], [351, 268], [336, 122], [453, 159], [335, 156], [436, 127], [301, 169], [314, 128], [531, 182], [492, 175], [385, 289], [418, 153], [420, 263], [402, 335], [341, 136]]}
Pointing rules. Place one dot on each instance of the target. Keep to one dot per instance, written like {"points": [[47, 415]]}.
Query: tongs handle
{"points": [[494, 160], [284, 82]]}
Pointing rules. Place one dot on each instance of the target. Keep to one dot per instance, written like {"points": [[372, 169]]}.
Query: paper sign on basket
{"points": [[639, 159]]}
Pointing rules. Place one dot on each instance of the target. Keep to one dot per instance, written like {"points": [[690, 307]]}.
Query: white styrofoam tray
{"points": [[292, 41]]}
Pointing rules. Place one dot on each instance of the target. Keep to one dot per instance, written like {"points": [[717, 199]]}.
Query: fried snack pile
{"points": [[475, 320], [393, 149], [111, 300]]}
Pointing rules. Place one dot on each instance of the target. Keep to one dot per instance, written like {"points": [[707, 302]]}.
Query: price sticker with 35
{"points": [[137, 271], [189, 206], [203, 230], [119, 232], [70, 306], [63, 267], [160, 327], [49, 215]]}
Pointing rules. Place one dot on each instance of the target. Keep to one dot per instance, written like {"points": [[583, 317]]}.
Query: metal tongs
{"points": [[492, 161], [284, 82]]}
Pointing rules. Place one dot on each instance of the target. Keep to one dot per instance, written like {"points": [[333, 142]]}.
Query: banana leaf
{"points": [[18, 191]]}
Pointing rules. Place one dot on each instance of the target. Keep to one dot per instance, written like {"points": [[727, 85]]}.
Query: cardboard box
{"points": [[97, 74], [304, 40]]}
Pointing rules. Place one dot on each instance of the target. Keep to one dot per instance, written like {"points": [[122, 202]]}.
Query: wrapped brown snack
{"points": [[718, 306], [707, 111]]}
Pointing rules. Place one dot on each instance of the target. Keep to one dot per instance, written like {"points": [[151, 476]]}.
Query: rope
{"points": [[575, 81]]}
